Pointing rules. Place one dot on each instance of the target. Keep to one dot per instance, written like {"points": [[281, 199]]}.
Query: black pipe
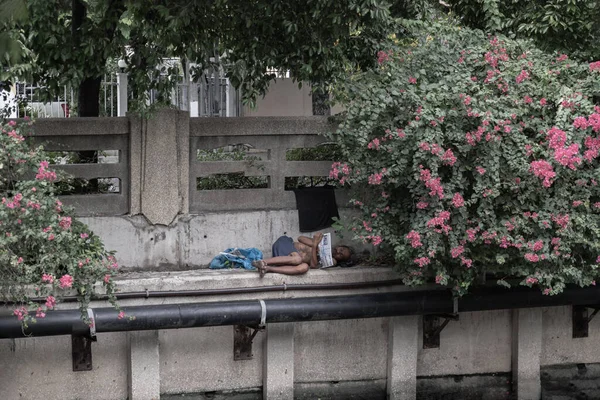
{"points": [[249, 312]]}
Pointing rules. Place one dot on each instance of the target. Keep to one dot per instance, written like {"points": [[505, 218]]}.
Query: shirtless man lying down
{"points": [[296, 258]]}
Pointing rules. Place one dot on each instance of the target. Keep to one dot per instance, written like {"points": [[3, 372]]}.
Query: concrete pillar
{"points": [[144, 365], [403, 345], [121, 94], [278, 372], [159, 186], [526, 353]]}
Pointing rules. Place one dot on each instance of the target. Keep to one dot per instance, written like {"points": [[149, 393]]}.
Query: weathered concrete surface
{"points": [[403, 347], [526, 352], [201, 360], [42, 368], [144, 365], [465, 387], [571, 381], [372, 389], [558, 345], [479, 343], [278, 371], [192, 241], [347, 350], [158, 146]]}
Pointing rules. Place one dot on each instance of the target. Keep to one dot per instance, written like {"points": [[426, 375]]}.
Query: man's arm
{"points": [[305, 240], [314, 263]]}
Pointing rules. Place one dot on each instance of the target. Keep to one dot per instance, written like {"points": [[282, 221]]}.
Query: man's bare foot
{"points": [[261, 266]]}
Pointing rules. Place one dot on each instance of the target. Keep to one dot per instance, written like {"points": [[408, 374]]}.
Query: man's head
{"points": [[341, 253]]}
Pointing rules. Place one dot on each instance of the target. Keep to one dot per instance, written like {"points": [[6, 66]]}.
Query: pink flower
{"points": [[522, 76], [562, 57], [376, 240], [457, 200], [21, 313], [51, 237], [481, 170], [531, 280], [422, 261], [543, 169], [40, 313], [577, 203], [107, 278], [537, 246], [121, 315], [457, 251], [401, 133], [50, 302], [580, 123], [412, 80], [415, 239], [47, 278], [439, 279], [422, 205], [467, 262], [65, 223], [12, 123], [448, 157], [66, 281], [84, 236], [595, 66], [374, 144], [527, 100], [382, 57], [532, 257]]}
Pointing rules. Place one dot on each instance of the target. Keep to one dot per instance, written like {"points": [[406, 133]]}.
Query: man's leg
{"points": [[288, 269], [293, 259]]}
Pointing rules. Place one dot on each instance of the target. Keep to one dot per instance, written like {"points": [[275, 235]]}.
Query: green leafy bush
{"points": [[44, 252], [476, 155]]}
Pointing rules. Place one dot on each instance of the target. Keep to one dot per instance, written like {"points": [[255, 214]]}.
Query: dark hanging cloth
{"points": [[316, 207]]}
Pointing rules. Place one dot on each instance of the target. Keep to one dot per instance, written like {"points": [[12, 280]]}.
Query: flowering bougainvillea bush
{"points": [[473, 155], [44, 252]]}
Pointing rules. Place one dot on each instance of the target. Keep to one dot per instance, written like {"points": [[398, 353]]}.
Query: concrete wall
{"points": [[283, 98], [328, 357], [191, 241]]}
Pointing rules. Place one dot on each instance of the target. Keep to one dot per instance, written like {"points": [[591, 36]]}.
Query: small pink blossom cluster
{"points": [[543, 170], [15, 203], [595, 66], [16, 136], [475, 136], [457, 200], [44, 174], [438, 223], [66, 281], [47, 278], [337, 169], [50, 302], [21, 313], [531, 280], [561, 220], [422, 205], [457, 251], [422, 261], [531, 257], [65, 223], [374, 144], [523, 75], [433, 184], [415, 239], [382, 57], [375, 178], [593, 148]]}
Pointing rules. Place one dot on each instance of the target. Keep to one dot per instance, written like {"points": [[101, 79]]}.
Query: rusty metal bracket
{"points": [[242, 341], [81, 351], [581, 320], [432, 327]]}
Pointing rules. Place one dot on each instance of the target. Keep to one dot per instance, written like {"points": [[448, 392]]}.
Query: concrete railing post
{"points": [[143, 365], [526, 353], [159, 151], [121, 94], [403, 345], [278, 373]]}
